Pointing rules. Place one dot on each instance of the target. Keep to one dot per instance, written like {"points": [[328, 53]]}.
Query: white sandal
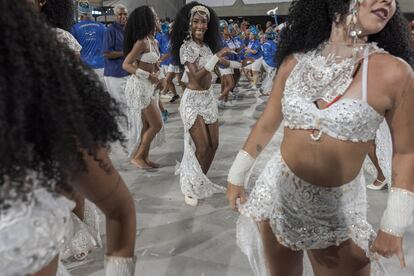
{"points": [[383, 185]]}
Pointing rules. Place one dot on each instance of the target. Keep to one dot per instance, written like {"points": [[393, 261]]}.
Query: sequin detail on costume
{"points": [[139, 93], [193, 181], [304, 216], [33, 227], [313, 78]]}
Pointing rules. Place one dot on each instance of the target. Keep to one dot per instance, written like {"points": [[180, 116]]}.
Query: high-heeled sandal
{"points": [[384, 184]]}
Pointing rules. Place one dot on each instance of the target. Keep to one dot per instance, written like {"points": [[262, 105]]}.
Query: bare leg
{"points": [[343, 260], [200, 136], [373, 156], [179, 76], [161, 106], [255, 77], [226, 86], [171, 86], [213, 133], [236, 76], [50, 269], [151, 116], [280, 260]]}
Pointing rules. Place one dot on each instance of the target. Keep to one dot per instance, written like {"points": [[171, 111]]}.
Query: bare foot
{"points": [[152, 164], [141, 164]]}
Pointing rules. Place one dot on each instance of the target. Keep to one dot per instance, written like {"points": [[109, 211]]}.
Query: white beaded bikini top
{"points": [[191, 52], [152, 56], [313, 79]]}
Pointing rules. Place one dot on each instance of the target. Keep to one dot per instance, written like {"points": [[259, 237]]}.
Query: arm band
{"points": [[211, 63], [139, 72], [240, 170], [235, 64], [119, 266], [399, 213]]}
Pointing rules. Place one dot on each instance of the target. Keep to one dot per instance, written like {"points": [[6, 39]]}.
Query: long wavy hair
{"points": [[141, 23], [53, 109], [59, 13], [310, 22], [180, 31]]}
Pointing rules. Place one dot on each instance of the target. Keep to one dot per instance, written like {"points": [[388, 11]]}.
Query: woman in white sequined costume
{"points": [[332, 91], [56, 125], [194, 39], [85, 234], [145, 125]]}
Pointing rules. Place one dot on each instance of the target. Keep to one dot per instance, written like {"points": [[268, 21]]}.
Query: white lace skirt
{"points": [[304, 216], [31, 235], [193, 181], [85, 235], [139, 93]]}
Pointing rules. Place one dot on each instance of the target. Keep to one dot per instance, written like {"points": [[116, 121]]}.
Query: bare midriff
{"points": [[149, 67], [199, 84], [328, 162]]}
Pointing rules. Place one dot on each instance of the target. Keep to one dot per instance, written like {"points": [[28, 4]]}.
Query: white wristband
{"points": [[119, 266], [399, 213], [235, 64], [139, 72], [240, 170], [211, 63]]}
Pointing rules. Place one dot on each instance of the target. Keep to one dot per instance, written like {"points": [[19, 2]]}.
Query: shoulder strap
{"points": [[365, 76]]}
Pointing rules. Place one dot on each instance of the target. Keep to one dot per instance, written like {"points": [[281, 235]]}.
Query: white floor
{"points": [[174, 239]]}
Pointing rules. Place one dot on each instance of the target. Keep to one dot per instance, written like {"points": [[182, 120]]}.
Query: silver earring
{"points": [[352, 19]]}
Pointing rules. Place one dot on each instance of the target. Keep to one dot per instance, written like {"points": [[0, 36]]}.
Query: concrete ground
{"points": [[174, 239]]}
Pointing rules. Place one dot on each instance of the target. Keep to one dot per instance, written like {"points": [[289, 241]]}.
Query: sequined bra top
{"points": [[152, 56], [312, 79], [191, 52]]}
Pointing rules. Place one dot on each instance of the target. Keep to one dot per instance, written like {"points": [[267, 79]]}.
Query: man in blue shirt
{"points": [[253, 53], [269, 48], [113, 51], [90, 35], [165, 61]]}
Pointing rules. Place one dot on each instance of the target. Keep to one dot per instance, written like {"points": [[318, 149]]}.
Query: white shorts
{"points": [[255, 66], [268, 68], [173, 69], [116, 88], [164, 70], [100, 73], [226, 71]]}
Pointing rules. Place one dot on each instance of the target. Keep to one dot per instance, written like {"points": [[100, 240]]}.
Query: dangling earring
{"points": [[190, 35], [352, 19]]}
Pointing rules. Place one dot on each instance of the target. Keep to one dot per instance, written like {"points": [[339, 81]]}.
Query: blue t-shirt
{"points": [[269, 51], [165, 47], [255, 45], [114, 42], [90, 36]]}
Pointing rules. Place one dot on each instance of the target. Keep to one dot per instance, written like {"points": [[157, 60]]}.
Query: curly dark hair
{"points": [[141, 23], [59, 13], [53, 109], [310, 22], [180, 30]]}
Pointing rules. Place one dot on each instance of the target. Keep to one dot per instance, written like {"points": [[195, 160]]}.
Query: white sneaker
{"points": [[229, 104], [190, 201], [254, 86]]}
